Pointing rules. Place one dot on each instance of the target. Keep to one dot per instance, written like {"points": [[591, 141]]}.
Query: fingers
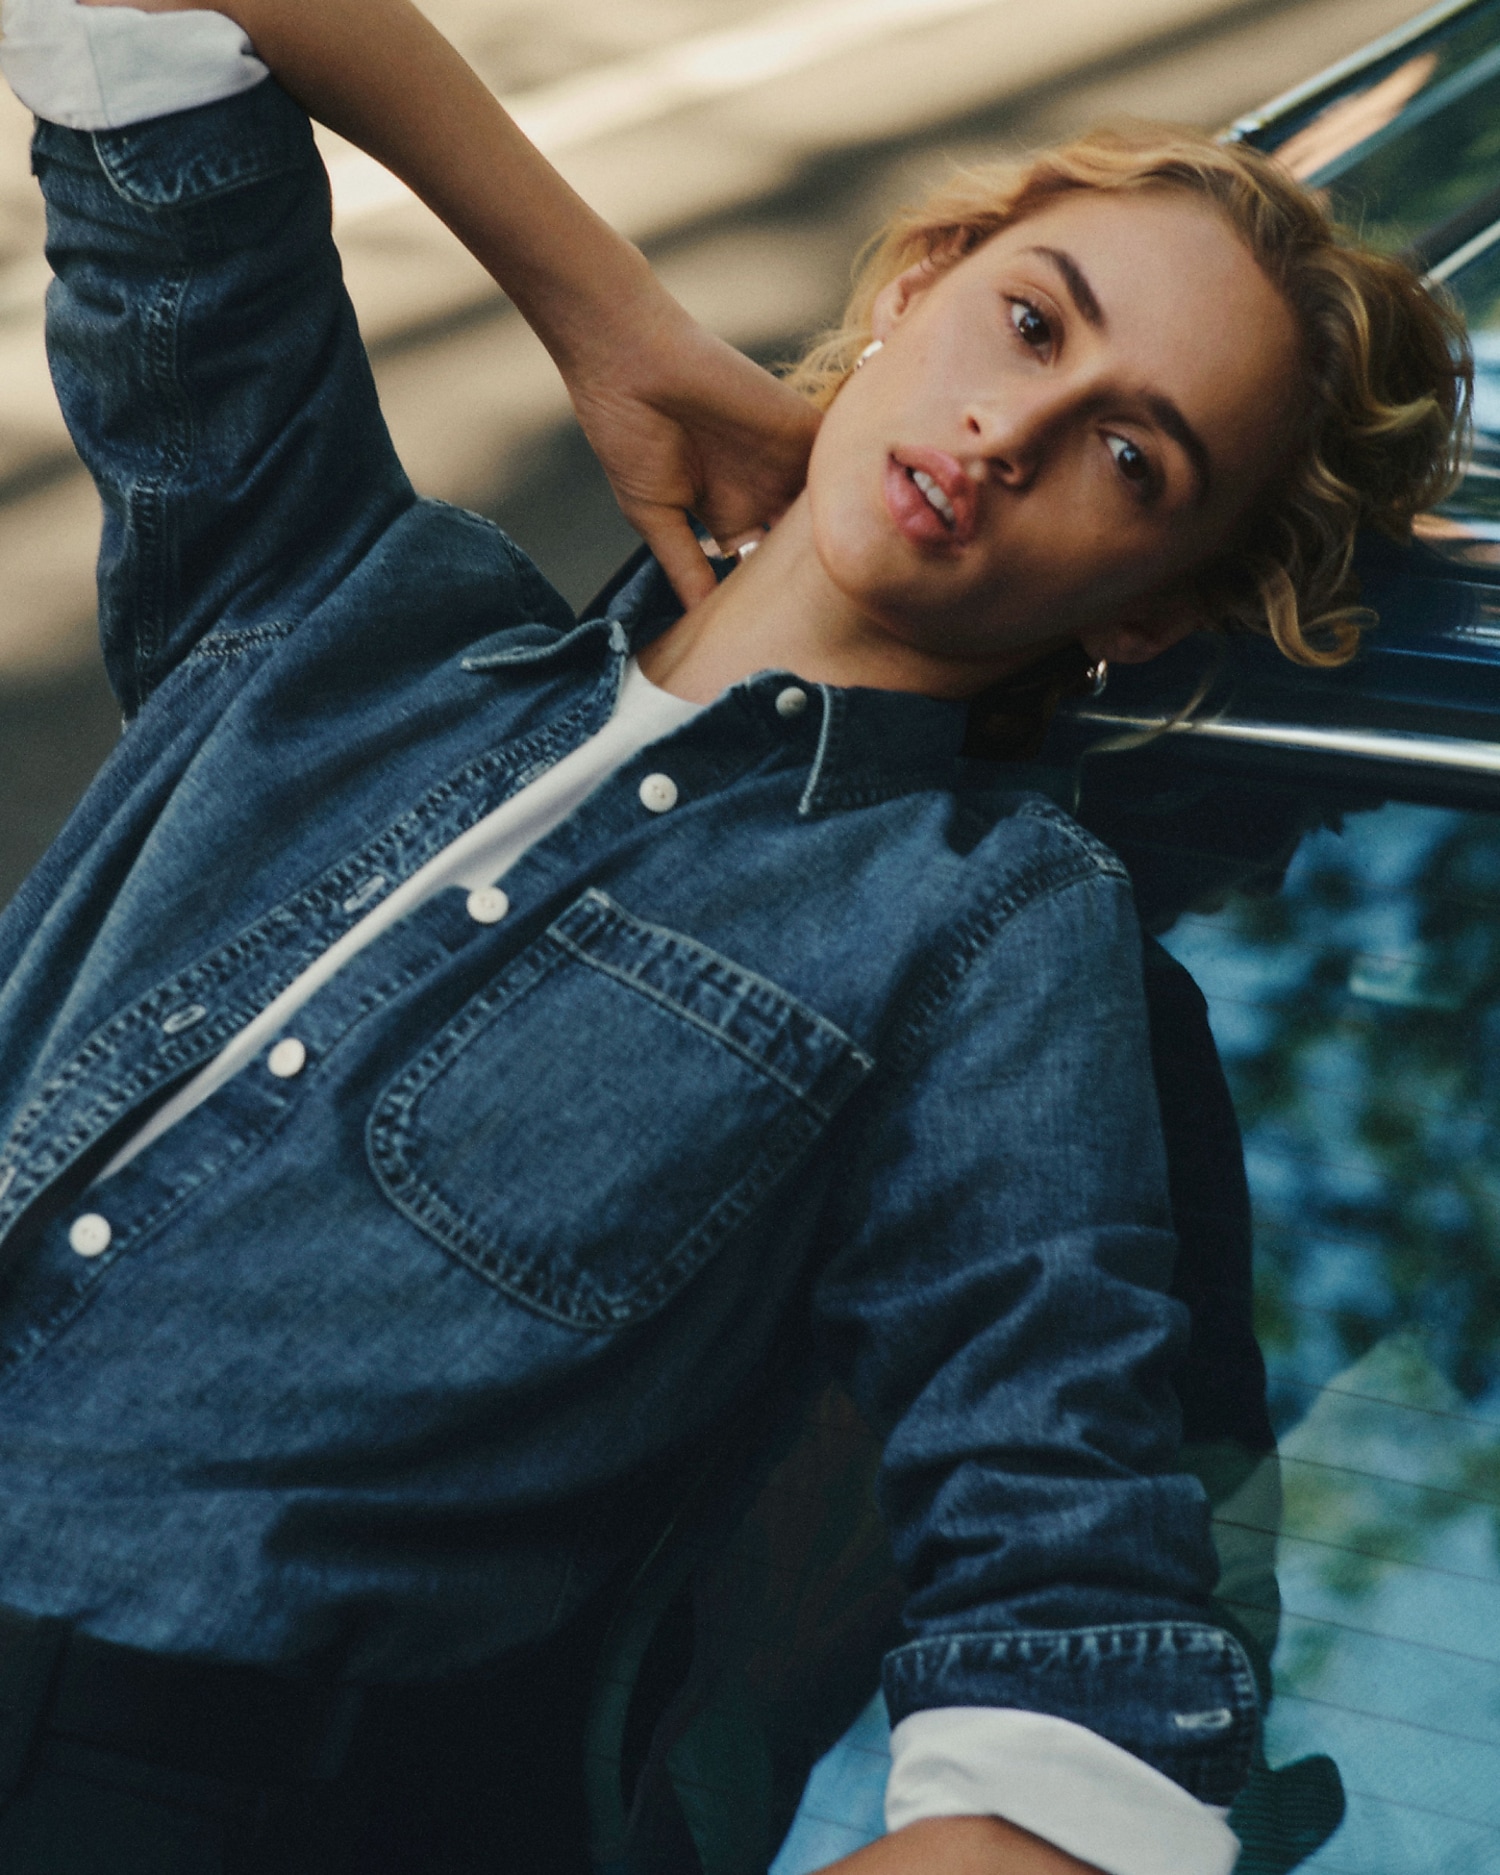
{"points": [[670, 537]]}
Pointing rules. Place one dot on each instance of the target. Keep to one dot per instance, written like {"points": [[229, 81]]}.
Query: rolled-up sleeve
{"points": [[1061, 1782], [995, 1292]]}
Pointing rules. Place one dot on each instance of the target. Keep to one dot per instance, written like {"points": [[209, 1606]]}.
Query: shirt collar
{"points": [[871, 745]]}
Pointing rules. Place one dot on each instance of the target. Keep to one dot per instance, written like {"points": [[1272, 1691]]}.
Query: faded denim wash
{"points": [[383, 1361]]}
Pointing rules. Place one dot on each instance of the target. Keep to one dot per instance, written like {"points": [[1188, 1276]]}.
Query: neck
{"points": [[780, 611]]}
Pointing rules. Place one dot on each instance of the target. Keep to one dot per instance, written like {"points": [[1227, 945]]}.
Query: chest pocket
{"points": [[587, 1131]]}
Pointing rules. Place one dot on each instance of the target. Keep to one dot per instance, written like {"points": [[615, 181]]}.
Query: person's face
{"points": [[1059, 429]]}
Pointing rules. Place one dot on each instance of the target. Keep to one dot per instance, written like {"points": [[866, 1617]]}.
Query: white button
{"points": [[658, 792], [287, 1058], [792, 701], [488, 905], [90, 1234]]}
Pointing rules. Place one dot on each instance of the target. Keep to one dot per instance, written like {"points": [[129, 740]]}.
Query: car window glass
{"points": [[1410, 147]]}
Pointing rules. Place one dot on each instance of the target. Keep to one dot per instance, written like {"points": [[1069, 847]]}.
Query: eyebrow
{"points": [[1076, 281], [1164, 413], [1169, 418]]}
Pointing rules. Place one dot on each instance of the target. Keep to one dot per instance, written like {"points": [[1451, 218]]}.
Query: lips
{"points": [[943, 514]]}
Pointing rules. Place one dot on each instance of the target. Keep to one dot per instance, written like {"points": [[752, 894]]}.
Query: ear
{"points": [[1150, 627], [897, 297]]}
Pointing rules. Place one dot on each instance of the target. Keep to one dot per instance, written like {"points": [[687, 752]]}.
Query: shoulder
{"points": [[457, 572], [1031, 909], [1022, 845], [1072, 846]]}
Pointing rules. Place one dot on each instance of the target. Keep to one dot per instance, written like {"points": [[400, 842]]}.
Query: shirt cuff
{"points": [[101, 68], [1059, 1780]]}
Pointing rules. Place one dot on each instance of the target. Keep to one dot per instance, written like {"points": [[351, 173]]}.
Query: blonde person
{"points": [[453, 1044]]}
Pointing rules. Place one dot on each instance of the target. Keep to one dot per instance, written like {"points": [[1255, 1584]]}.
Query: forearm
{"points": [[381, 75], [682, 422], [960, 1845]]}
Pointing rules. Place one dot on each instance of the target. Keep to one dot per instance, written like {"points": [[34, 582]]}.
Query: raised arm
{"points": [[680, 420]]}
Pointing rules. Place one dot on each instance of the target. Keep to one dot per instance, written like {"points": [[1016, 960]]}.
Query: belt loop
{"points": [[31, 1649]]}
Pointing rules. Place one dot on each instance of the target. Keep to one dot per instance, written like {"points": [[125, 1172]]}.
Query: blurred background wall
{"points": [[750, 150]]}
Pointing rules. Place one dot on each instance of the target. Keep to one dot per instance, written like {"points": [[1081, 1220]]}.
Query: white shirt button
{"points": [[792, 701], [287, 1058], [658, 792], [488, 905], [89, 1235]]}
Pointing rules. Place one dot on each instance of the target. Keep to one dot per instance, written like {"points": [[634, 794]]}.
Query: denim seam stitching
{"points": [[259, 164], [1207, 1637], [229, 641], [665, 1002], [817, 1021], [1086, 843], [147, 497]]}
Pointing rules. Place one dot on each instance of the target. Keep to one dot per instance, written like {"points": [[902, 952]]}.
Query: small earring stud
{"points": [[1096, 676], [875, 345]]}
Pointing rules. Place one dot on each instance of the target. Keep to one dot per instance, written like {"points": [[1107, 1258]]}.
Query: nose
{"points": [[1013, 428]]}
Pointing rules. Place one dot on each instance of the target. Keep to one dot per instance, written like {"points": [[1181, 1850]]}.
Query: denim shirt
{"points": [[382, 1361]]}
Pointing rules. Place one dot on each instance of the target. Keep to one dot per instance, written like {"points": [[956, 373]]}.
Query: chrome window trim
{"points": [[1476, 245], [1455, 753], [1394, 41]]}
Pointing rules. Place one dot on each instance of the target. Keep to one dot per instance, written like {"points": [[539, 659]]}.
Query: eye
{"points": [[1031, 325], [1130, 459]]}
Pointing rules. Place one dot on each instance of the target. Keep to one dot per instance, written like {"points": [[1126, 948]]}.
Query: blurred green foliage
{"points": [[1368, 1087]]}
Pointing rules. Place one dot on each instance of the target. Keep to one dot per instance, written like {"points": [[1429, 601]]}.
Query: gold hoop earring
{"points": [[875, 345]]}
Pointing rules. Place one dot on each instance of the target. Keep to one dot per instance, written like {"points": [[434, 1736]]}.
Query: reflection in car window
{"points": [[1358, 1013], [1351, 121], [1477, 287], [1408, 148]]}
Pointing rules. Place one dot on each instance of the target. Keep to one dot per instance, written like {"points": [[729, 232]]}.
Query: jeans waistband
{"points": [[245, 1725]]}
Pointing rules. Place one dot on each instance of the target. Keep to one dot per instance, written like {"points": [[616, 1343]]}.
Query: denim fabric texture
{"points": [[386, 1363]]}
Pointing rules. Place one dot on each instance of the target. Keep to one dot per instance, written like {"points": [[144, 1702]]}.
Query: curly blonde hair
{"points": [[1387, 373]]}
